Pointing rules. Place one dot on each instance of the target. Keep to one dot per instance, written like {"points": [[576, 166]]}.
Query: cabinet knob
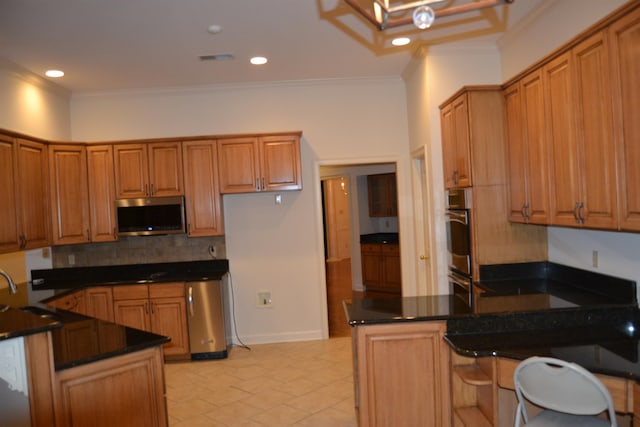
{"points": [[424, 257]]}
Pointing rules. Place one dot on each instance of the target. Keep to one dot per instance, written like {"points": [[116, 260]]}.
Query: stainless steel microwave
{"points": [[150, 216]]}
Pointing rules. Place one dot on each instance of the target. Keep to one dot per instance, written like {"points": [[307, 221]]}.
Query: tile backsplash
{"points": [[139, 250]]}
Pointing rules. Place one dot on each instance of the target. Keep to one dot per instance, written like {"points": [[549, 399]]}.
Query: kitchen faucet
{"points": [[12, 286]]}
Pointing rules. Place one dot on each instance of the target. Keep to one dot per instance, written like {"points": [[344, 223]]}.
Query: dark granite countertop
{"points": [[384, 238], [17, 323], [79, 339], [530, 315], [76, 277]]}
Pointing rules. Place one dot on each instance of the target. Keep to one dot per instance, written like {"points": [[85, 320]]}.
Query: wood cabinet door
{"points": [[102, 193], [202, 194], [131, 170], [74, 302], [33, 194], [624, 37], [165, 169], [69, 194], [168, 318], [9, 214], [560, 127], [371, 258], [238, 165], [536, 171], [280, 163], [462, 141], [133, 313], [403, 375], [516, 153], [100, 303], [448, 145], [392, 277], [381, 189], [598, 206], [127, 390]]}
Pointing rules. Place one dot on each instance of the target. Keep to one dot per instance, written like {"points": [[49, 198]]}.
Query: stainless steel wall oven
{"points": [[459, 243]]}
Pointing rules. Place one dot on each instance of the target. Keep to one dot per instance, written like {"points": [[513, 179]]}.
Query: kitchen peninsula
{"points": [[437, 361], [82, 371]]}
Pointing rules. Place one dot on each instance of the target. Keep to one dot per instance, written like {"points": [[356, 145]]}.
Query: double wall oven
{"points": [[458, 216]]}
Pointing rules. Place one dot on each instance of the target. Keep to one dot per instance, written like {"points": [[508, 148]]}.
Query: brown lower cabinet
{"points": [[158, 308], [401, 374], [381, 267]]}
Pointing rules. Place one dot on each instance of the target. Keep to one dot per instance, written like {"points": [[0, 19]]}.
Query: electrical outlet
{"points": [[72, 259], [212, 251], [263, 299], [594, 259]]}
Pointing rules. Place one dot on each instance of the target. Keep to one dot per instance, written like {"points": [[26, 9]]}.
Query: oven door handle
{"points": [[458, 217], [460, 281]]}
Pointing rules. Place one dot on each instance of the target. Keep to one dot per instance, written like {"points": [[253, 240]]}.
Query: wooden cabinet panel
{"points": [[33, 194], [527, 152], [202, 194], [598, 207], [132, 384], [402, 375], [133, 313], [168, 318], [102, 193], [9, 214], [381, 270], [454, 117], [69, 194], [280, 163], [99, 303], [253, 164], [624, 38], [382, 192], [148, 170], [74, 301]]}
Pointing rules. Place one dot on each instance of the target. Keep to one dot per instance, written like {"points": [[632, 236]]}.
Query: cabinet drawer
{"points": [[371, 247], [390, 249], [166, 290], [130, 292]]}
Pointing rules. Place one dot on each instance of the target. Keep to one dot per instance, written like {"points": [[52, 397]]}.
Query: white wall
{"points": [[270, 247], [433, 77], [617, 252]]}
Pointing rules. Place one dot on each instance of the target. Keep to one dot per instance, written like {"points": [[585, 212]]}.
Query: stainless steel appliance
{"points": [[459, 243], [150, 216], [208, 319]]}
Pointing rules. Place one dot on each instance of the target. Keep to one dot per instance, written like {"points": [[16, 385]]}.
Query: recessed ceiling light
{"points": [[401, 41], [258, 60], [54, 73], [214, 29]]}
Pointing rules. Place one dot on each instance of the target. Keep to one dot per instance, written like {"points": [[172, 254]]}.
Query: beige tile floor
{"points": [[288, 384]]}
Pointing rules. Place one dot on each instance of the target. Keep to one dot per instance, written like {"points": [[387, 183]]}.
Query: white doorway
{"points": [[426, 266]]}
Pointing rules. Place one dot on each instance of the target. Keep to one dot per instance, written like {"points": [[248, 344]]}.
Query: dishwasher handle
{"points": [[190, 299]]}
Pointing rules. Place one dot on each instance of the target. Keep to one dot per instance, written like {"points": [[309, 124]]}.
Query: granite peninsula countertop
{"points": [[519, 317]]}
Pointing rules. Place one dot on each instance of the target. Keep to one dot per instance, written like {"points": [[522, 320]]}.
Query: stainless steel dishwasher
{"points": [[207, 314]]}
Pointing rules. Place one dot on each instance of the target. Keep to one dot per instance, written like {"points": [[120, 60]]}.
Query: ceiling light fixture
{"points": [[258, 60], [401, 41], [423, 15], [54, 73]]}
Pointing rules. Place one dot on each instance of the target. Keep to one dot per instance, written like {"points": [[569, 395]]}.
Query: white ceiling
{"points": [[127, 44]]}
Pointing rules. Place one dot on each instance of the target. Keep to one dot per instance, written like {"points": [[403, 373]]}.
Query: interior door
{"points": [[427, 281]]}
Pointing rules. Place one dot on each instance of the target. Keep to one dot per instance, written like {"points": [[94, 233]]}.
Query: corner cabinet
{"points": [[69, 194], [402, 374], [148, 170], [202, 193], [260, 163]]}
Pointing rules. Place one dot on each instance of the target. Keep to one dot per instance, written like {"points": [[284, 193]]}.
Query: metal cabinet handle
{"points": [[575, 212], [190, 299], [455, 177], [257, 184], [263, 187], [581, 212]]}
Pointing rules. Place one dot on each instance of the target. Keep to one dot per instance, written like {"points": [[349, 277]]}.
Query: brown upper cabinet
{"points": [[102, 193], [580, 137], [69, 194], [33, 194], [263, 163], [202, 194], [382, 191], [472, 141], [148, 170], [454, 117], [624, 39], [9, 215], [527, 151]]}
